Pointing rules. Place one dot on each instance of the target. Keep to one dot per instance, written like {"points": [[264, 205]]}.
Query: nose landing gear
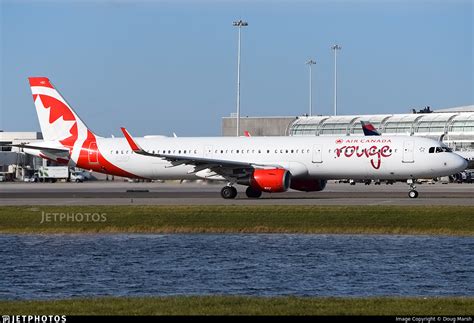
{"points": [[413, 194]]}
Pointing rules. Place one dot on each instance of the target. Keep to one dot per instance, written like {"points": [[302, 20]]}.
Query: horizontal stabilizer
{"points": [[50, 149]]}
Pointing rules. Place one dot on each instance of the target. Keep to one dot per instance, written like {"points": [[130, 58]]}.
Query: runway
{"points": [[125, 193]]}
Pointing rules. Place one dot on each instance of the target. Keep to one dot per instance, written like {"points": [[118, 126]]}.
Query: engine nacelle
{"points": [[268, 180], [311, 185]]}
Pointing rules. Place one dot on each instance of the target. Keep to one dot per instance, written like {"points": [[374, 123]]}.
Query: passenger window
{"points": [[237, 151]]}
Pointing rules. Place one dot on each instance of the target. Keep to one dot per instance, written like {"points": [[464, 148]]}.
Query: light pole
{"points": [[239, 24], [335, 48], [310, 63]]}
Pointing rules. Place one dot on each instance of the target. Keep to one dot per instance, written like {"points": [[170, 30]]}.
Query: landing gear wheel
{"points": [[253, 193], [229, 192], [413, 194]]}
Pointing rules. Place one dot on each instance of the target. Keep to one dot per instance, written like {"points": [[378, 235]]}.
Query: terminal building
{"points": [[14, 165]]}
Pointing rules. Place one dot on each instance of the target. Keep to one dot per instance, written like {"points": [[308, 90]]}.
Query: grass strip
{"points": [[241, 305], [433, 220]]}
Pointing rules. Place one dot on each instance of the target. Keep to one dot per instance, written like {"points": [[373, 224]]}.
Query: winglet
{"points": [[135, 147], [246, 133]]}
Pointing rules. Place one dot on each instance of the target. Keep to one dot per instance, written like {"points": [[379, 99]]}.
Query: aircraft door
{"points": [[93, 153], [317, 154], [408, 151]]}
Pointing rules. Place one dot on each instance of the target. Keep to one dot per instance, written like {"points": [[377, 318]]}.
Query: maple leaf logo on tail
{"points": [[57, 119]]}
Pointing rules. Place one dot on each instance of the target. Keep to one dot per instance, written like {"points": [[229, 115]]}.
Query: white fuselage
{"points": [[332, 157]]}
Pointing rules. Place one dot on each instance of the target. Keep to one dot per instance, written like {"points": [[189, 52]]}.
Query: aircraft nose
{"points": [[460, 163]]}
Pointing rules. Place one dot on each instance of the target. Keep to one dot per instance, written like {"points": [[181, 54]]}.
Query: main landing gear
{"points": [[229, 192], [252, 192], [413, 194]]}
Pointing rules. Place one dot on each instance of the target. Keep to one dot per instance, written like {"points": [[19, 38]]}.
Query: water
{"points": [[64, 266]]}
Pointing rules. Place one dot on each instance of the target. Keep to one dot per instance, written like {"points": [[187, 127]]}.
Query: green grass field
{"points": [[433, 220], [238, 305]]}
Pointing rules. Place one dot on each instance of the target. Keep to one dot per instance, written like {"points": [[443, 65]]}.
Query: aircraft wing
{"points": [[225, 168]]}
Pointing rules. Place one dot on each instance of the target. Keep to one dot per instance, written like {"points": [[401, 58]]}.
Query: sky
{"points": [[158, 67]]}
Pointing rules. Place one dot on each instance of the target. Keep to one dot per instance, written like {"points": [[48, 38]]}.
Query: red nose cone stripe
{"points": [[40, 81]]}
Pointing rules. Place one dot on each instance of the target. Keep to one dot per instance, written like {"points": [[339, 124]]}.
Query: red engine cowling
{"points": [[312, 185], [270, 180]]}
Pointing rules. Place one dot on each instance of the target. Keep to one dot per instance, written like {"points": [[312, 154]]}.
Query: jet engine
{"points": [[268, 180]]}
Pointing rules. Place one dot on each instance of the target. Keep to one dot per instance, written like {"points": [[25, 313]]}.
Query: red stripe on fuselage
{"points": [[103, 165]]}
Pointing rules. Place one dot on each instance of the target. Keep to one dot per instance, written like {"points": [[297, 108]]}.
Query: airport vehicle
{"points": [[77, 176], [52, 173], [264, 164]]}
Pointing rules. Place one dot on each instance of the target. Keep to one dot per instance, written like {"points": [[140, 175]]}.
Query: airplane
{"points": [[263, 164]]}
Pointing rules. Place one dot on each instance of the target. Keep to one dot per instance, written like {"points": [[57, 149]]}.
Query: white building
{"points": [[455, 126]]}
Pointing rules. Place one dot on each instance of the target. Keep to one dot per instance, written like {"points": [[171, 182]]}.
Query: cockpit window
{"points": [[439, 150]]}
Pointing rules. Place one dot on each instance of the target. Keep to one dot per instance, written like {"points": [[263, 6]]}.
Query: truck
{"points": [[52, 173]]}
